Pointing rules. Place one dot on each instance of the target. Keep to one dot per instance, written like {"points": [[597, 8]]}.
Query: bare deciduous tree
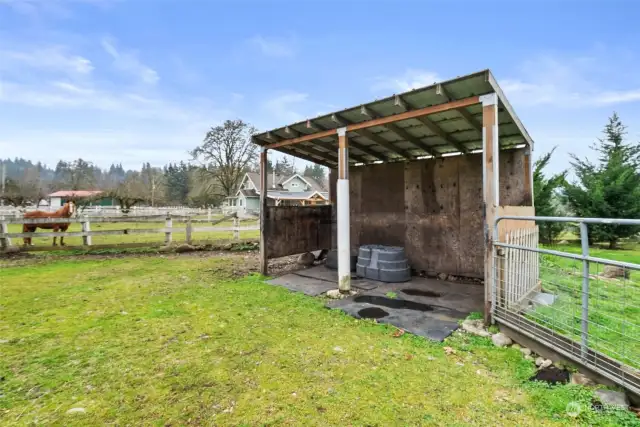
{"points": [[226, 154], [25, 191]]}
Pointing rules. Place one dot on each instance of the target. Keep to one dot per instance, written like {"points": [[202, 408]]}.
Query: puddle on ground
{"points": [[551, 375], [393, 303], [420, 293], [372, 313]]}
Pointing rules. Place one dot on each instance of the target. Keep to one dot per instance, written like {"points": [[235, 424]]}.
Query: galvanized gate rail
{"points": [[552, 333]]}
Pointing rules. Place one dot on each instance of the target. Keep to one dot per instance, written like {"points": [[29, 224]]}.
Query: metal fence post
{"points": [[168, 233], [5, 242], [188, 231], [86, 228], [584, 338]]}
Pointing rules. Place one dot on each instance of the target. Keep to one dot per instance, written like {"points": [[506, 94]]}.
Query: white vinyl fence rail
{"points": [[521, 269], [172, 224]]}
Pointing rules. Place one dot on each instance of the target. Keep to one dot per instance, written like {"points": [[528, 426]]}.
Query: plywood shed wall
{"points": [[431, 207]]}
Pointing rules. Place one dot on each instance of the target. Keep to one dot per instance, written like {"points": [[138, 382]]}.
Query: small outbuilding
{"points": [[428, 170]]}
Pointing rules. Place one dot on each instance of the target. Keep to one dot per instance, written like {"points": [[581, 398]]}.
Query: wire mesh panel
{"points": [[584, 303]]}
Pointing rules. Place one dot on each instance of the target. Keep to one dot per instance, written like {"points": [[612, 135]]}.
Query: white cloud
{"points": [[284, 108], [274, 47], [128, 62], [410, 79], [567, 82], [48, 58]]}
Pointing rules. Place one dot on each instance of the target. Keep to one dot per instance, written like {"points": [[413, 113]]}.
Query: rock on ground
{"points": [[475, 327], [306, 259], [581, 379], [612, 271], [546, 363], [501, 340], [525, 351], [185, 247], [443, 276], [539, 361], [336, 294], [612, 398]]}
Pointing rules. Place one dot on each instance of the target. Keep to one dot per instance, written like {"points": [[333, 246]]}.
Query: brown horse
{"points": [[65, 211]]}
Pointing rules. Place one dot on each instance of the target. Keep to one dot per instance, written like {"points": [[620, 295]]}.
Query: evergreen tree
{"points": [[609, 188], [545, 197]]}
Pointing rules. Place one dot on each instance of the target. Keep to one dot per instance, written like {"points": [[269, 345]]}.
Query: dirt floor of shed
{"points": [[425, 307]]}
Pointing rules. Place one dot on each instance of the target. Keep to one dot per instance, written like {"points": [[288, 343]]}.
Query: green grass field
{"points": [[185, 340], [156, 238]]}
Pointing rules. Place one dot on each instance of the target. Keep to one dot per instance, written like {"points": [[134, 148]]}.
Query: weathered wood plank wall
{"points": [[431, 207], [297, 229]]}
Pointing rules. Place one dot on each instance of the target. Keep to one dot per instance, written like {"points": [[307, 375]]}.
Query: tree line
{"points": [[213, 173], [608, 187]]}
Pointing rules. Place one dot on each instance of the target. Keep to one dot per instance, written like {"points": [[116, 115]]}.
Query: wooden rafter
{"points": [[376, 138], [382, 120], [442, 134], [393, 127], [352, 143], [468, 117], [311, 154]]}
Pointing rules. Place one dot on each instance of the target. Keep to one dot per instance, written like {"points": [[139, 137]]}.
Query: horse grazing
{"points": [[65, 211]]}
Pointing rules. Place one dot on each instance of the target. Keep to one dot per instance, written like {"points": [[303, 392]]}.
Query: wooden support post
{"points": [[490, 174], [209, 214], [528, 178], [264, 263], [168, 234], [189, 230], [344, 227], [236, 232], [5, 242], [86, 228]]}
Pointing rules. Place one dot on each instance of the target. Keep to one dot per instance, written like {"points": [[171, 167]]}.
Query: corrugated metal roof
{"points": [[438, 134], [75, 193]]}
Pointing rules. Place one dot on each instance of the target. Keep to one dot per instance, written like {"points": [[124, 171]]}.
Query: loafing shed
{"points": [[427, 170]]}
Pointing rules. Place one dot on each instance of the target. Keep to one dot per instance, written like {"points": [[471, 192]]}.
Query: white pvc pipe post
{"points": [[344, 226]]}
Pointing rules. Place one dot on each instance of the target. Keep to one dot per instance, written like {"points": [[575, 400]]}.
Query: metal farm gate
{"points": [[583, 307]]}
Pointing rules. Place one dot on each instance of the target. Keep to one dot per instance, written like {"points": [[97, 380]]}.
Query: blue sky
{"points": [[141, 80]]}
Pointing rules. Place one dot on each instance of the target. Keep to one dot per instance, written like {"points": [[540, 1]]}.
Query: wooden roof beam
{"points": [[442, 134], [376, 138], [354, 127], [401, 132], [376, 155], [315, 153]]}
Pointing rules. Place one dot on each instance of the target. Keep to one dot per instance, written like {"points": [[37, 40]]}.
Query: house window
{"points": [[239, 202], [294, 184]]}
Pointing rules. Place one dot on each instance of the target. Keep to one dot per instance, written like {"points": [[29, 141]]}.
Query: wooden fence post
{"points": [[86, 228], [208, 214], [188, 231], [168, 234], [5, 242], [236, 232]]}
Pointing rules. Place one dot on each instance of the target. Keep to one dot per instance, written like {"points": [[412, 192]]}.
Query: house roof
{"points": [[281, 179], [413, 134], [298, 195], [75, 193], [248, 193]]}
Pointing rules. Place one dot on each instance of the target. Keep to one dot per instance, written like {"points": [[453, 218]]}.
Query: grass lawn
{"points": [[156, 238], [184, 340]]}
